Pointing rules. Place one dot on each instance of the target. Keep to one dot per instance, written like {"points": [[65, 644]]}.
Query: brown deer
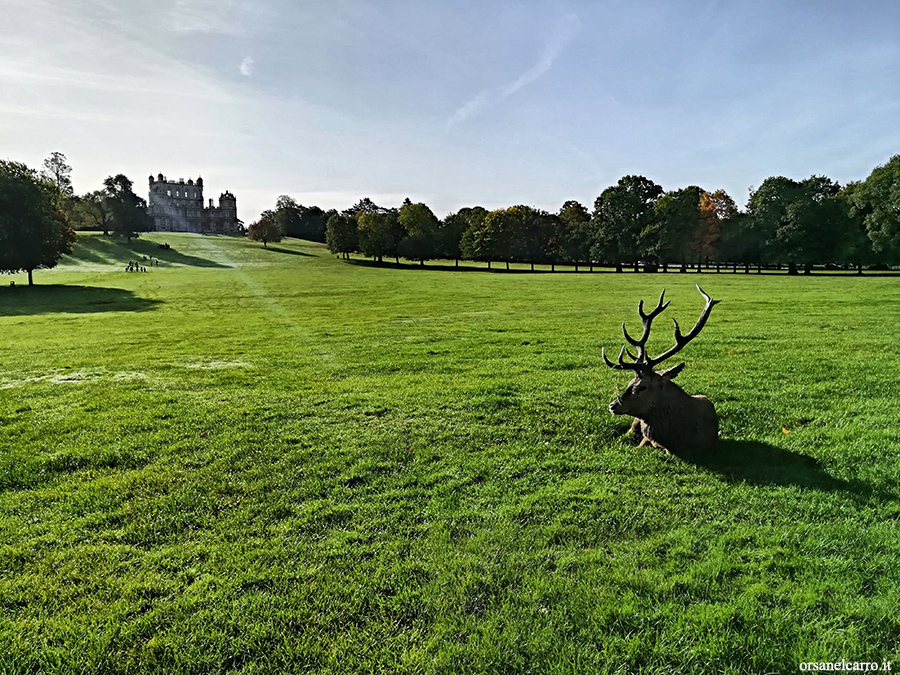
{"points": [[664, 415]]}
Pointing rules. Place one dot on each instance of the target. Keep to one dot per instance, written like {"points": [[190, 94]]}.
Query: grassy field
{"points": [[266, 461]]}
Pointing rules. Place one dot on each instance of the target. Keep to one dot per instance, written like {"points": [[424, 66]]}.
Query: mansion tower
{"points": [[176, 206]]}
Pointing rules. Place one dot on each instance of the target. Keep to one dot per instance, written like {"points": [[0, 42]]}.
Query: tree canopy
{"points": [[265, 229], [34, 232], [126, 213]]}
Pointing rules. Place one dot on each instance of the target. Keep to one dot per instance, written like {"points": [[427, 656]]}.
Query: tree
{"points": [[573, 239], [126, 213], [668, 237], [364, 205], [455, 228], [341, 234], [519, 233], [856, 247], [265, 229], [621, 213], [34, 233], [798, 222], [379, 234], [57, 170], [296, 220], [877, 200], [420, 228], [89, 213], [717, 209]]}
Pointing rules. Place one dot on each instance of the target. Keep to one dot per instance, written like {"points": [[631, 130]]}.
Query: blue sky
{"points": [[453, 103]]}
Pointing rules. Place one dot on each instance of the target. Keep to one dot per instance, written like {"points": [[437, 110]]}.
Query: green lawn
{"points": [[266, 461]]}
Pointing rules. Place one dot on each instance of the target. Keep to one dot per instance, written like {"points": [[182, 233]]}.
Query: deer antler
{"points": [[641, 362]]}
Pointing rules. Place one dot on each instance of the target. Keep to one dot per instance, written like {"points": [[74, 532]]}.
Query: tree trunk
{"points": [[552, 267], [421, 263], [30, 279], [489, 264], [507, 265], [532, 267]]}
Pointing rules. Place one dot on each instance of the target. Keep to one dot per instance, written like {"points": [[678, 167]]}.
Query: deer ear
{"points": [[672, 373]]}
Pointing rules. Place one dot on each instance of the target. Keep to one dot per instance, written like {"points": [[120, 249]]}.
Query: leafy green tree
{"points": [[296, 220], [621, 213], [34, 233], [379, 234], [420, 228], [364, 205], [668, 237], [456, 228], [856, 247], [877, 200], [126, 212], [813, 224], [519, 233], [798, 222], [265, 229], [488, 240], [89, 213], [574, 236], [341, 234], [56, 169]]}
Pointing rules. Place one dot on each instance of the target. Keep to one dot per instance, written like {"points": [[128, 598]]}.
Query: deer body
{"points": [[665, 416]]}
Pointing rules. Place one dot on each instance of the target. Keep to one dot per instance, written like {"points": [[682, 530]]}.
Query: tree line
{"points": [[798, 224]]}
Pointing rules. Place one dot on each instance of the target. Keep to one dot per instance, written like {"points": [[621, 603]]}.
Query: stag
{"points": [[664, 415]]}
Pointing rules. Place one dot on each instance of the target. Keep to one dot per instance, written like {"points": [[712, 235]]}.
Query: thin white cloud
{"points": [[246, 66], [472, 107], [566, 29]]}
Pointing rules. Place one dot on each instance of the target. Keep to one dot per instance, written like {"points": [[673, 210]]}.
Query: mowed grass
{"points": [[266, 461]]}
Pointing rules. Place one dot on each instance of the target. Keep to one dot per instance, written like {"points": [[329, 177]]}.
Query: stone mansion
{"points": [[177, 206]]}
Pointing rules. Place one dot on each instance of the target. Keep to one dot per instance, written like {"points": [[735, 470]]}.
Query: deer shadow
{"points": [[61, 299], [764, 464]]}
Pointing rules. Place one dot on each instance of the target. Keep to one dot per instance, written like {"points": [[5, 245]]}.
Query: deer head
{"points": [[651, 389]]}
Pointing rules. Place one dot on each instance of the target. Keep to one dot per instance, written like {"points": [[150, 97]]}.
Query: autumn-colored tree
{"points": [[717, 209]]}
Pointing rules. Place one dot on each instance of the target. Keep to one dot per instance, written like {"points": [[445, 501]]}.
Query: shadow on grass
{"points": [[764, 464], [278, 249], [53, 299], [466, 266], [569, 268], [112, 250]]}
